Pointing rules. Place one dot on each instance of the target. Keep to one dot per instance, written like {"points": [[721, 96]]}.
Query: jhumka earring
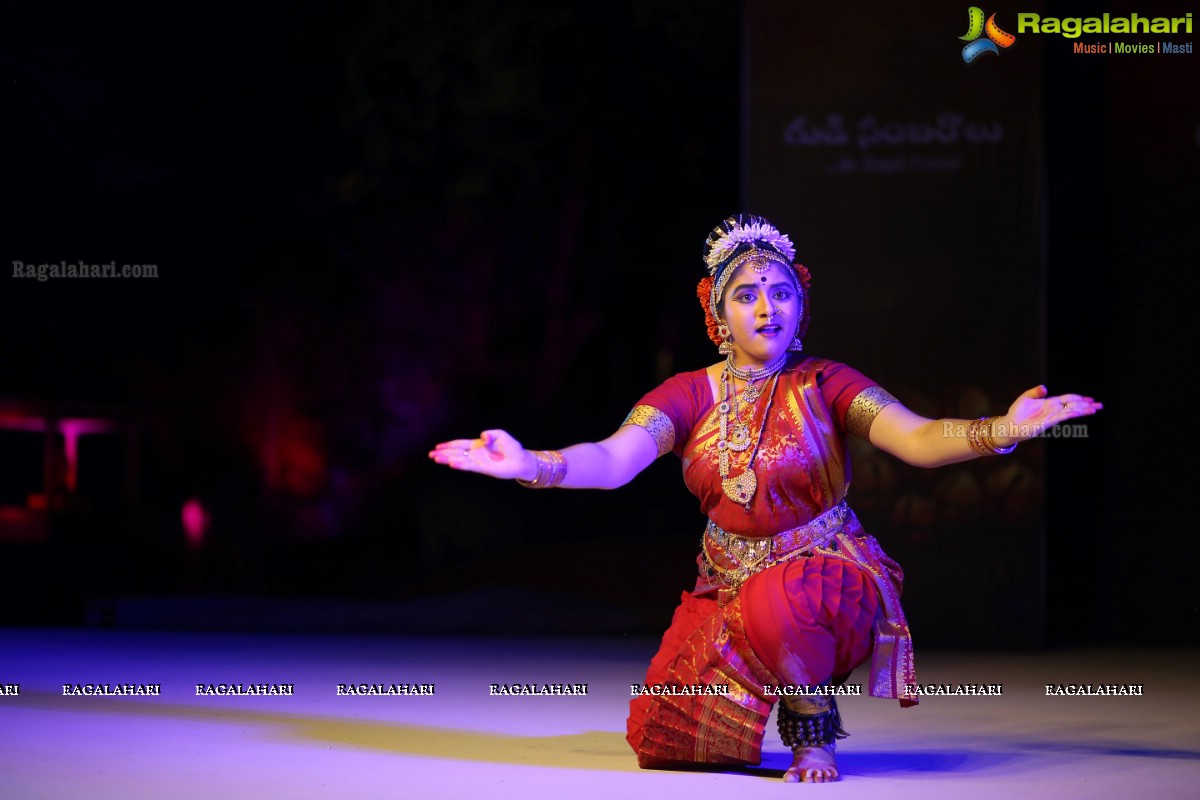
{"points": [[726, 347], [796, 346]]}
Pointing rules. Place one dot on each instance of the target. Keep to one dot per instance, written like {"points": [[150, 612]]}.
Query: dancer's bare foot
{"points": [[812, 765]]}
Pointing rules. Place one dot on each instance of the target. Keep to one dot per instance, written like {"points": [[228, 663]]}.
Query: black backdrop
{"points": [[376, 226]]}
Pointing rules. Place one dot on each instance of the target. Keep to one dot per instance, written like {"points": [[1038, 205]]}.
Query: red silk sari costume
{"points": [[792, 591]]}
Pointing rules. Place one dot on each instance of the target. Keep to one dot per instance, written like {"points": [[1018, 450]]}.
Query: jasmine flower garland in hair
{"points": [[755, 232]]}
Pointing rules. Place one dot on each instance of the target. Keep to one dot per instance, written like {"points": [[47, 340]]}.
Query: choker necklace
{"points": [[751, 374], [741, 489]]}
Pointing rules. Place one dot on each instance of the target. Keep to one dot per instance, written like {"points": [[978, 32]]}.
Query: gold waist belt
{"points": [[736, 558]]}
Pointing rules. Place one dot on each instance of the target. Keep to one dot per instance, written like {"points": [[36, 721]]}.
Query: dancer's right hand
{"points": [[494, 453]]}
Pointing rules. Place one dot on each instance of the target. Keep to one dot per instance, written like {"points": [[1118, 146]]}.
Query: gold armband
{"points": [[864, 407], [656, 423]]}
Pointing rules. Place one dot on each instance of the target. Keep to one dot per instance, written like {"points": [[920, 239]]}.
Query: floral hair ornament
{"points": [[722, 246]]}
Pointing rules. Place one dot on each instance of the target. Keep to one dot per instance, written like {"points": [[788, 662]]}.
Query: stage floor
{"points": [[462, 742]]}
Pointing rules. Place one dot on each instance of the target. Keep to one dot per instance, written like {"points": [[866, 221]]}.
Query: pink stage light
{"points": [[195, 521]]}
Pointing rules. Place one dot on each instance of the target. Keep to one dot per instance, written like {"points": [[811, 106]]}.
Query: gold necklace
{"points": [[740, 489]]}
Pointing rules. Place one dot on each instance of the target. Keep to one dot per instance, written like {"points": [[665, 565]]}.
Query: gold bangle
{"points": [[973, 437], [551, 470], [538, 479], [979, 437], [990, 443], [985, 434]]}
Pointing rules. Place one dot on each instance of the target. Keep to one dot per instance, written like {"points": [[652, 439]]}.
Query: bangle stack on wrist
{"points": [[551, 469], [979, 437]]}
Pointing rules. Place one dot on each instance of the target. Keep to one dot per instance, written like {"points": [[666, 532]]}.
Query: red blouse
{"points": [[800, 461]]}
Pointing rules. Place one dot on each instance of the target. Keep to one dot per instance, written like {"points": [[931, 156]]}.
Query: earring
{"points": [[726, 347], [796, 346]]}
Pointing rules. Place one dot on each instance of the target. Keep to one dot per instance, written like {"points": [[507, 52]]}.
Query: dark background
{"points": [[380, 225]]}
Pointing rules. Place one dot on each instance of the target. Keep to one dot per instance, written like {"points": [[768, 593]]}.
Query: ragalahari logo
{"points": [[976, 27]]}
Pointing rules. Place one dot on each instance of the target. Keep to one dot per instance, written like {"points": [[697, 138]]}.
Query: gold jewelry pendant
{"points": [[739, 439], [741, 488], [751, 393]]}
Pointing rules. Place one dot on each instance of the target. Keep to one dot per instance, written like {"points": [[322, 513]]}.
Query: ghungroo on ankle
{"points": [[821, 729]]}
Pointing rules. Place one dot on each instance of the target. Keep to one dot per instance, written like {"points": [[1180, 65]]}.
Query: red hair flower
{"points": [[704, 294]]}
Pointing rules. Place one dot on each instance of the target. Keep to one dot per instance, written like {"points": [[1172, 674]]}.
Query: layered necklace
{"points": [[738, 440]]}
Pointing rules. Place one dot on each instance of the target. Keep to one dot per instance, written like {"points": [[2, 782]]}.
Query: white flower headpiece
{"points": [[755, 232]]}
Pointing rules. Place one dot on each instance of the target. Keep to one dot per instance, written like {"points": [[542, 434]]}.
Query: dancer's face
{"points": [[762, 310]]}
